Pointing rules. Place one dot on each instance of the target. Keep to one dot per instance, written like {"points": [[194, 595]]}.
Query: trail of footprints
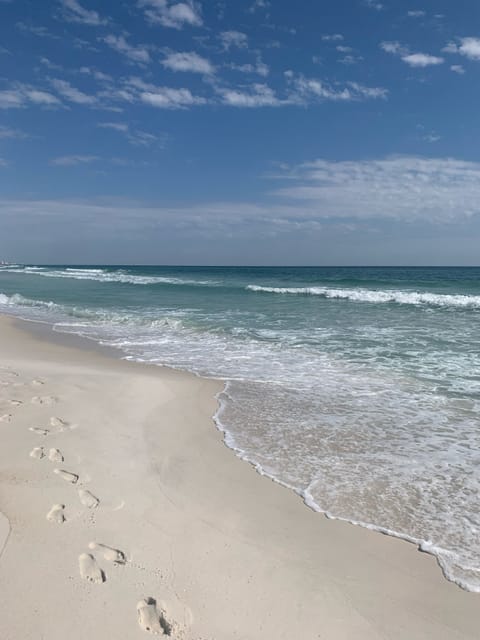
{"points": [[151, 617]]}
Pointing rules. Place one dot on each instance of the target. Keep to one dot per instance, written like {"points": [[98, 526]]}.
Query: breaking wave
{"points": [[375, 297]]}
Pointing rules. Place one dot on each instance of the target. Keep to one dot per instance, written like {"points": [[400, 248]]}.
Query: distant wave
{"points": [[101, 275], [368, 295]]}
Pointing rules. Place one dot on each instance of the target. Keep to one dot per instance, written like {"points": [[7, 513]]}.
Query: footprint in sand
{"points": [[16, 403], [44, 400], [37, 382], [57, 514], [6, 418], [88, 499], [151, 619], [89, 569], [109, 553], [38, 453], [58, 423], [39, 431], [66, 475], [9, 372], [55, 455]]}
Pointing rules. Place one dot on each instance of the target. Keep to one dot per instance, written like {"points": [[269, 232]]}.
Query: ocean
{"points": [[359, 388]]}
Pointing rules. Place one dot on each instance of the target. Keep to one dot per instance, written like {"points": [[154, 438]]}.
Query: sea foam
{"points": [[375, 297]]}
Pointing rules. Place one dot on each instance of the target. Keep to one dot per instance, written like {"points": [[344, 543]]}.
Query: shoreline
{"points": [[231, 553], [47, 331]]}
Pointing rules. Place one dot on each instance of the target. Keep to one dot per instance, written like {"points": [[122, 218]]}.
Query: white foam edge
{"points": [[425, 546]]}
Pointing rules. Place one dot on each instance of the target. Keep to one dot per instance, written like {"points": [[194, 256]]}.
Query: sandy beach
{"points": [[125, 515]]}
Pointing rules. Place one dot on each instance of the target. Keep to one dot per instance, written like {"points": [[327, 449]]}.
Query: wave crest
{"points": [[376, 297]]}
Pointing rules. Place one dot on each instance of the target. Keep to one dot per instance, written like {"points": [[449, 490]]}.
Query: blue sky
{"points": [[256, 132]]}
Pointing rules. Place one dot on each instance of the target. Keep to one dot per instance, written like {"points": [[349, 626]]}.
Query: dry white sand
{"points": [[133, 518]]}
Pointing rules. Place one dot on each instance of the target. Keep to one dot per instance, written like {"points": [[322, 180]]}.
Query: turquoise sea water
{"points": [[357, 387]]}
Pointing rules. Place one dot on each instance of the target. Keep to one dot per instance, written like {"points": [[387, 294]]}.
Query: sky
{"points": [[330, 132]]}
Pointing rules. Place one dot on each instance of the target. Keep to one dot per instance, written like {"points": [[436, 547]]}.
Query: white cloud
{"points": [[70, 161], [259, 4], [120, 94], [168, 98], [393, 47], [172, 14], [20, 95], [41, 32], [98, 75], [350, 59], [262, 69], [450, 47], [301, 91], [49, 64], [136, 54], [134, 136], [137, 83], [422, 60], [258, 95], [40, 97], [419, 13], [468, 47], [74, 12], [259, 68], [145, 139], [233, 39], [333, 37], [343, 49], [374, 4], [71, 93], [305, 90], [116, 126], [6, 133], [188, 61], [457, 68], [402, 187], [412, 59]]}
